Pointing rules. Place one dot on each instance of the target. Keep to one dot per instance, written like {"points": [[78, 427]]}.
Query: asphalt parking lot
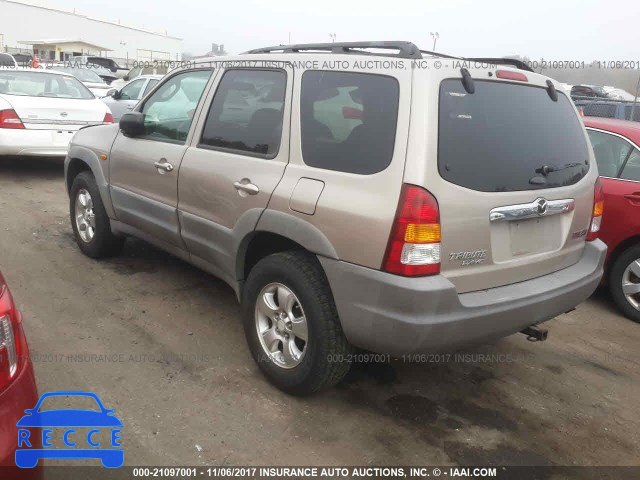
{"points": [[169, 355]]}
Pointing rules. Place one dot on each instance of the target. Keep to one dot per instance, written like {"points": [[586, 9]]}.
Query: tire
{"points": [[102, 242], [620, 274], [325, 358]]}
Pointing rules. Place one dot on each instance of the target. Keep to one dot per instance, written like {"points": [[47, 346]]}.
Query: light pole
{"points": [[435, 36], [333, 37]]}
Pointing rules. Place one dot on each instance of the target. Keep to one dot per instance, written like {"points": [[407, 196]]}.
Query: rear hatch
{"points": [[513, 174]]}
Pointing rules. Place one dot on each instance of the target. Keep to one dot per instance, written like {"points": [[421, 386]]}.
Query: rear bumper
{"points": [[396, 315], [49, 143]]}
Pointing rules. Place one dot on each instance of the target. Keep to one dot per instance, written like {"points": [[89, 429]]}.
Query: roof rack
{"points": [[519, 64], [405, 49]]}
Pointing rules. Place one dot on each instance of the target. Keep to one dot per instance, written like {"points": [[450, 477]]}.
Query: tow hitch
{"points": [[535, 334]]}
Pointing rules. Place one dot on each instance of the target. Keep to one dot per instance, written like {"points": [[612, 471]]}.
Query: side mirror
{"points": [[113, 93], [132, 124]]}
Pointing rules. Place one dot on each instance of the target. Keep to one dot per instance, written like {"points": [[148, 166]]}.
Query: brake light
{"points": [[598, 209], [414, 243], [10, 119], [108, 118], [507, 75], [12, 341]]}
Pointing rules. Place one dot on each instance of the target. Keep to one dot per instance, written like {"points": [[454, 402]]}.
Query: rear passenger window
{"points": [[611, 152], [348, 120], [632, 167], [246, 112]]}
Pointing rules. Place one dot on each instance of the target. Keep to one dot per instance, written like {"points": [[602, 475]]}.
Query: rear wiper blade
{"points": [[547, 169]]}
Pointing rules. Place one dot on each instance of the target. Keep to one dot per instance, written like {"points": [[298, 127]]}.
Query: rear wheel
{"points": [[624, 283], [89, 219], [292, 326]]}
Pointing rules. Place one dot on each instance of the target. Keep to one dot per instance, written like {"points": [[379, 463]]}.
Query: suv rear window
{"points": [[499, 138], [348, 120]]}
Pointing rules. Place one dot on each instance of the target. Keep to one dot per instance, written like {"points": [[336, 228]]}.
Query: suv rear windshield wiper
{"points": [[547, 169]]}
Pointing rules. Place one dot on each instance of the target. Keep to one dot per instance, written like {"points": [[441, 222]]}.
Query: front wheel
{"points": [[624, 283], [89, 219], [292, 326]]}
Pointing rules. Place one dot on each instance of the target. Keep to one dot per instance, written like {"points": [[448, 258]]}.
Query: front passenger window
{"points": [[168, 112], [131, 90]]}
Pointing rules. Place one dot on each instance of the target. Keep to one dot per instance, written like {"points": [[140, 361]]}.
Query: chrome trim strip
{"points": [[42, 121], [540, 207]]}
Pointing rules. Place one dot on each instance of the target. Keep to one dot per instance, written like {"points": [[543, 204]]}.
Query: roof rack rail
{"points": [[519, 64], [441, 55], [405, 49]]}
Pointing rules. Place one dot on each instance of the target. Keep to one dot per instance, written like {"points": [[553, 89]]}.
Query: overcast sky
{"points": [[550, 29]]}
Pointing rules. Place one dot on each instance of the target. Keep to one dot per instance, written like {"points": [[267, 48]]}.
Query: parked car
{"points": [[108, 63], [40, 110], [157, 70], [463, 206], [591, 91], [87, 76], [123, 100], [18, 390], [7, 60], [616, 144], [609, 109]]}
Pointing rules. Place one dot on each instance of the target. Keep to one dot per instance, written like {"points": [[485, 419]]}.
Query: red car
{"points": [[616, 144], [17, 383]]}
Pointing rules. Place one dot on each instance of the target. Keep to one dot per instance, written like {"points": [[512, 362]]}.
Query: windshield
{"points": [[82, 74], [40, 84], [508, 137]]}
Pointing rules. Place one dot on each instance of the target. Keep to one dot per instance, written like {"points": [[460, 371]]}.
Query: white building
{"points": [[57, 34]]}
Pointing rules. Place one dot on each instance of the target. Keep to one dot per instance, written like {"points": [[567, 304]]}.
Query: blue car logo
{"points": [[68, 418]]}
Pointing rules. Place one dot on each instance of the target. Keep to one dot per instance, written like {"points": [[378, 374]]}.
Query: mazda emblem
{"points": [[542, 206]]}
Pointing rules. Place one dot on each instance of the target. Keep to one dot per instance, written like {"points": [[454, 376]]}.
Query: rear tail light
{"points": [[598, 208], [13, 346], [10, 119], [414, 244], [108, 118]]}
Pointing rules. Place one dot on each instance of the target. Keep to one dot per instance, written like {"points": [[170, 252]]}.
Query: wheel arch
{"points": [[278, 232], [81, 159], [619, 250]]}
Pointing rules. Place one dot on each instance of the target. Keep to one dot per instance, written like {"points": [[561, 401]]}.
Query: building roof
{"points": [[625, 128], [63, 41], [34, 4]]}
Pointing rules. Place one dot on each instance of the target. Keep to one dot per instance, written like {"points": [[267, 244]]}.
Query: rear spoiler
{"points": [[519, 64]]}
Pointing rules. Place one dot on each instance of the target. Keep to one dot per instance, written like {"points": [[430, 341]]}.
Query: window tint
{"points": [[610, 151], [152, 83], [348, 120], [499, 138], [632, 167], [246, 112], [131, 91], [168, 113]]}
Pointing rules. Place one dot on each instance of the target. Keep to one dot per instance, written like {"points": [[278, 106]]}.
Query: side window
{"points": [[610, 151], [132, 90], [152, 83], [348, 120], [246, 112], [631, 169], [168, 113]]}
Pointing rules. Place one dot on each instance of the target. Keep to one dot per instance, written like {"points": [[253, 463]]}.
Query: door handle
{"points": [[163, 165], [634, 197], [245, 187]]}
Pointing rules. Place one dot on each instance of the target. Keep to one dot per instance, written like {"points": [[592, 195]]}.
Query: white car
{"points": [[88, 76], [40, 110]]}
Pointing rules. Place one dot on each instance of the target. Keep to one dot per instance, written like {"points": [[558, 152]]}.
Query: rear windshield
{"points": [[38, 84], [507, 137]]}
